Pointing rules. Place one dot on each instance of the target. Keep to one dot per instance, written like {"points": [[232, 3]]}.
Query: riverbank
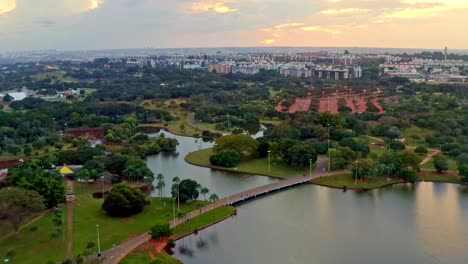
{"points": [[256, 166], [153, 249]]}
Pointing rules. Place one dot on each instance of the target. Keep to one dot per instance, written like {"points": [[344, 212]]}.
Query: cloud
{"points": [[319, 28], [288, 25], [7, 6], [344, 11], [213, 6]]}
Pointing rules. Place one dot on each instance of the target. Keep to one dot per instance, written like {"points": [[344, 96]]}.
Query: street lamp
{"points": [[355, 177], [310, 168], [228, 123], [173, 210], [329, 155], [98, 242], [102, 181], [269, 167]]}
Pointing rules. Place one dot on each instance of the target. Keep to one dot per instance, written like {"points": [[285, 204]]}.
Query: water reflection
{"points": [[408, 223]]}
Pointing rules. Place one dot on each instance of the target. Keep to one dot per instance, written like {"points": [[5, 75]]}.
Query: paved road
{"points": [[116, 254]]}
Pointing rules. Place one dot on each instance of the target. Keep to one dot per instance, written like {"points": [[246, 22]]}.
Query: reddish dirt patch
{"points": [[153, 247], [300, 105], [91, 133], [9, 163], [330, 103]]}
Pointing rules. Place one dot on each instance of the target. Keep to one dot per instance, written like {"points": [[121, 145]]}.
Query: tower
{"points": [[445, 53]]}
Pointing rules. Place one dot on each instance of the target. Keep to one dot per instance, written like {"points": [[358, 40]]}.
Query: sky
{"points": [[116, 24]]}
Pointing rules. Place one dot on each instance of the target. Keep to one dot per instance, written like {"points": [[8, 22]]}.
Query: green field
{"points": [[255, 166], [415, 136], [433, 176], [338, 181], [88, 213], [452, 164], [36, 246]]}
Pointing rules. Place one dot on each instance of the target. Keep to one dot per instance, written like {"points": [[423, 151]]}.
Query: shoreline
{"points": [[313, 183]]}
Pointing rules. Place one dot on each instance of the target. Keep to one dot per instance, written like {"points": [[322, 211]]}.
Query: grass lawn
{"points": [[203, 221], [88, 213], [433, 176], [35, 244], [142, 256], [415, 136], [255, 166], [452, 164], [338, 181]]}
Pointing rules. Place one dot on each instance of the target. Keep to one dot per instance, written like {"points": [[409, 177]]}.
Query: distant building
{"points": [[357, 72], [331, 73], [220, 68], [296, 72], [17, 96]]}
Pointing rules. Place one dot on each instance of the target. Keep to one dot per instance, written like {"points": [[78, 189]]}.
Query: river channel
{"points": [[406, 223]]}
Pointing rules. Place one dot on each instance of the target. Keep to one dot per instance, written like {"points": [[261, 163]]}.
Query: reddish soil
{"points": [[153, 247], [300, 105], [92, 133], [8, 163], [330, 103]]}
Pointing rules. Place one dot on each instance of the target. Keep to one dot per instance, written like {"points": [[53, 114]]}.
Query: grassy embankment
{"points": [[338, 181], [255, 166], [34, 244], [145, 254]]}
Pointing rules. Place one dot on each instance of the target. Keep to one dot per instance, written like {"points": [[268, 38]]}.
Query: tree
{"points": [[300, 155], [17, 204], [136, 169], [161, 230], [187, 190], [124, 201], [213, 198], [363, 167], [160, 184], [225, 158], [176, 190], [463, 170], [31, 177], [284, 130], [341, 158], [244, 145], [420, 150], [204, 191], [8, 98], [440, 163], [396, 145]]}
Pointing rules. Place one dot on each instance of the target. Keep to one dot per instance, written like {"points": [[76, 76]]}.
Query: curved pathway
{"points": [[116, 254]]}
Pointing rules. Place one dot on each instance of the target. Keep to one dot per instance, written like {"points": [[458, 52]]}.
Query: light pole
{"points": [[355, 177], [310, 168], [269, 166], [228, 123], [329, 155], [173, 211], [98, 242], [102, 181]]}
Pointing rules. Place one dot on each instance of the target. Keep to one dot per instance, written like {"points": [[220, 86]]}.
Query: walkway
{"points": [[69, 221], [116, 254]]}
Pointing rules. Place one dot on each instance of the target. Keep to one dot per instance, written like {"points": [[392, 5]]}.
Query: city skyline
{"points": [[116, 24]]}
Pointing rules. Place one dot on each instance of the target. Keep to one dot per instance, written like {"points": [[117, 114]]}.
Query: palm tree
{"points": [[213, 198], [176, 181], [204, 191], [160, 184]]}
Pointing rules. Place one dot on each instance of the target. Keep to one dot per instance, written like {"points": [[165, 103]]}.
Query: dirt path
{"points": [[429, 157], [70, 222]]}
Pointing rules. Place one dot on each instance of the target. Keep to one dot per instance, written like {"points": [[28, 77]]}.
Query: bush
{"points": [[161, 230], [124, 201], [225, 158], [396, 145], [421, 150]]}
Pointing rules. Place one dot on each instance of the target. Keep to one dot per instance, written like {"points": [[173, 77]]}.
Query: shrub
{"points": [[421, 150]]}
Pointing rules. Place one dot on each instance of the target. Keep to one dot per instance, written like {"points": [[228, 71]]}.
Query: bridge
{"points": [[116, 254]]}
